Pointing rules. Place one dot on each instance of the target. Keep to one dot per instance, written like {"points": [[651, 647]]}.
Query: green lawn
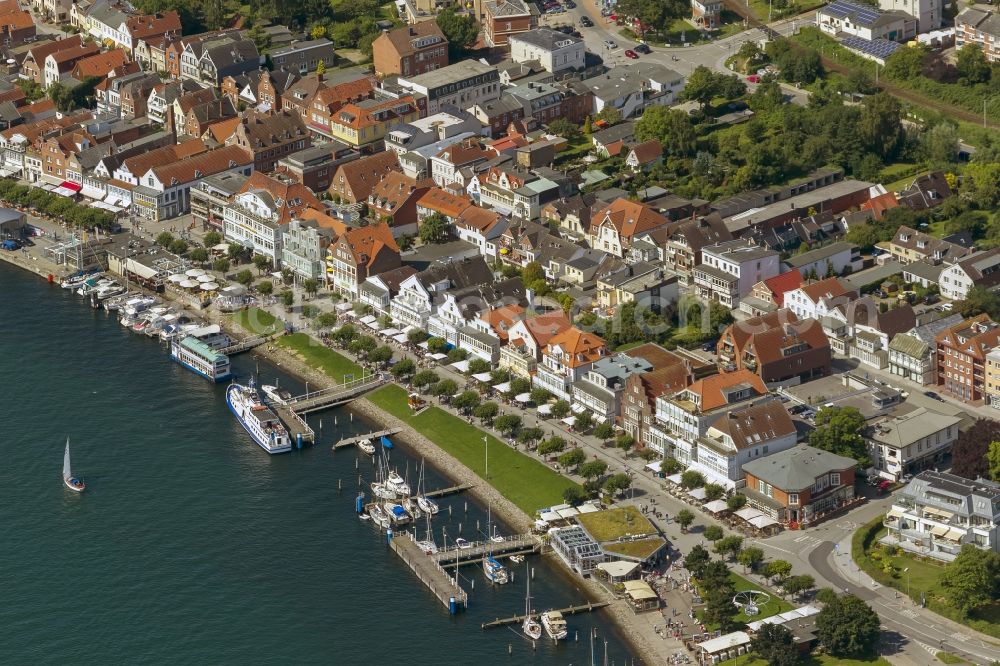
{"points": [[760, 8], [949, 658], [322, 358], [923, 578], [611, 524], [811, 660], [774, 606], [257, 321], [523, 480]]}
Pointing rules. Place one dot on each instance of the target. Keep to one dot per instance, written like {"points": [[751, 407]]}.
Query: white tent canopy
{"points": [[178, 278], [697, 493], [438, 356], [544, 409], [401, 338], [523, 397], [674, 479], [762, 521], [205, 278], [499, 388], [748, 513], [368, 319], [389, 332], [654, 466], [461, 366], [716, 506], [569, 420], [618, 568], [209, 286], [189, 284], [194, 272]]}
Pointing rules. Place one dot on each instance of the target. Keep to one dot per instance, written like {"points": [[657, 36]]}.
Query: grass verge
{"points": [[523, 480], [319, 357], [774, 606], [257, 321], [949, 658]]}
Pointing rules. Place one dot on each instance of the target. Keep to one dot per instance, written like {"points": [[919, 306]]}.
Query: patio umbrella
{"points": [[189, 284], [523, 397], [209, 286], [205, 278], [177, 278], [195, 272]]}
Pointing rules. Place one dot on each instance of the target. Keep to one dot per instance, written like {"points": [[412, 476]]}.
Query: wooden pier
{"points": [[335, 395], [450, 490], [246, 344], [373, 436], [430, 573], [518, 544], [569, 610], [298, 429]]}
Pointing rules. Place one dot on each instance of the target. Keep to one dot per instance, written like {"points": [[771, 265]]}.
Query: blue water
{"points": [[191, 545]]}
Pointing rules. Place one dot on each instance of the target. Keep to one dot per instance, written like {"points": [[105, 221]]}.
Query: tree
{"points": [[262, 263], [461, 31], [610, 115], [684, 518], [164, 239], [583, 421], [425, 378], [266, 288], [697, 559], [344, 334], [212, 238], [528, 436], [476, 366], [672, 128], [970, 450], [564, 128], [775, 645], [848, 627], [713, 533], [236, 252], [624, 443], [826, 595], [434, 228], [692, 479], [380, 355], [310, 311], [244, 277], [532, 272], [560, 408], [777, 569], [311, 286], [405, 368], [363, 345], [618, 483], [704, 85], [736, 502], [574, 495], [593, 469], [552, 445], [436, 345], [326, 320], [455, 355], [939, 144], [972, 65], [971, 580], [838, 430], [416, 336], [729, 546], [603, 431], [445, 388], [178, 246], [466, 401], [320, 68], [796, 585], [486, 411], [905, 64], [714, 491], [750, 558], [880, 126], [572, 459], [993, 460], [540, 396], [719, 608], [287, 297], [507, 424]]}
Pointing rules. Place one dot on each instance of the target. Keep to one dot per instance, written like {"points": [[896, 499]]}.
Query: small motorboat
{"points": [[396, 482], [554, 625], [383, 491], [516, 559], [73, 483], [366, 446], [275, 394], [495, 572], [378, 516]]}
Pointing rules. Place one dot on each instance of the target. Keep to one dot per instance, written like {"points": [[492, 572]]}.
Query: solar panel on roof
{"points": [[864, 14], [879, 48]]}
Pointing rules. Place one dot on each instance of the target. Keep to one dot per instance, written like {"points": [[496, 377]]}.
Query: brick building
{"points": [[410, 50]]}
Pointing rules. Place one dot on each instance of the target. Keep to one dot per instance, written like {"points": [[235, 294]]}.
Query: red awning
{"points": [[70, 185]]}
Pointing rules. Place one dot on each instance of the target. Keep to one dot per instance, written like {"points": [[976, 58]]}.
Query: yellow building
{"points": [[366, 123]]}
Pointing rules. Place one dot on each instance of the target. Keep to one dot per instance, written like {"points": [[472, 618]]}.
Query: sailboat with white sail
{"points": [[426, 504], [73, 483], [494, 570]]}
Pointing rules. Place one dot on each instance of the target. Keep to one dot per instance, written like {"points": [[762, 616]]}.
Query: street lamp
{"points": [[907, 572]]}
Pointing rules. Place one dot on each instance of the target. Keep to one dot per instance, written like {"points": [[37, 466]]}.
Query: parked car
{"points": [[709, 346], [931, 299], [585, 22], [933, 395], [629, 53], [610, 45], [642, 48], [753, 78], [570, 4]]}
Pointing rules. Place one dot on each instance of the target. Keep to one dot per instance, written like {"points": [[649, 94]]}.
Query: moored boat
{"points": [[275, 394], [198, 357], [257, 419], [531, 627], [366, 446], [383, 491], [396, 482], [427, 505], [554, 625], [398, 515], [378, 516], [495, 572], [73, 483]]}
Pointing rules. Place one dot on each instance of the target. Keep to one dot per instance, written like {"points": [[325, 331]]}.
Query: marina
{"points": [[440, 583], [569, 610], [371, 436]]}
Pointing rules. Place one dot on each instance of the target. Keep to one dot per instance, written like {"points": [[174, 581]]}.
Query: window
{"points": [[835, 479], [793, 498]]}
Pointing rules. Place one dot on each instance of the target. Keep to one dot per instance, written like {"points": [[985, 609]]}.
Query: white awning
{"points": [[599, 418], [894, 512], [578, 408], [423, 345], [654, 466], [373, 324], [674, 479], [368, 319], [618, 568], [7, 173], [389, 332], [438, 356], [545, 409], [939, 530], [461, 366], [955, 534], [697, 493], [724, 643], [401, 338], [92, 192], [568, 513], [569, 420], [499, 388], [711, 476], [523, 397], [549, 516], [748, 513], [716, 506], [760, 522]]}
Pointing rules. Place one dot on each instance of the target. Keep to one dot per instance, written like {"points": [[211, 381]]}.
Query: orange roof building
{"points": [[777, 347], [436, 200], [359, 254], [613, 227]]}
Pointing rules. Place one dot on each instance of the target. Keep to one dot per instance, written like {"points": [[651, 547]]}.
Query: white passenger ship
{"points": [[198, 357], [257, 419]]}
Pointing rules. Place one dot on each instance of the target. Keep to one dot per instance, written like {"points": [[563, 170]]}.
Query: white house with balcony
{"points": [[937, 513], [911, 442]]}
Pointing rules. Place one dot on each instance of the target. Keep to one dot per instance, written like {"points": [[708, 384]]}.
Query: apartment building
{"points": [[961, 357], [911, 442]]}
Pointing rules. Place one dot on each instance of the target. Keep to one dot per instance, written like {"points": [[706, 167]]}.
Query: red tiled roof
{"points": [[712, 389], [628, 218], [290, 196], [579, 347], [449, 205], [779, 285]]}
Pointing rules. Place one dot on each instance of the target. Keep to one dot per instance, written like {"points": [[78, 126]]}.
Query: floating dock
{"points": [[299, 431], [246, 344], [430, 573], [335, 395], [569, 610], [373, 436], [518, 544], [450, 490]]}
